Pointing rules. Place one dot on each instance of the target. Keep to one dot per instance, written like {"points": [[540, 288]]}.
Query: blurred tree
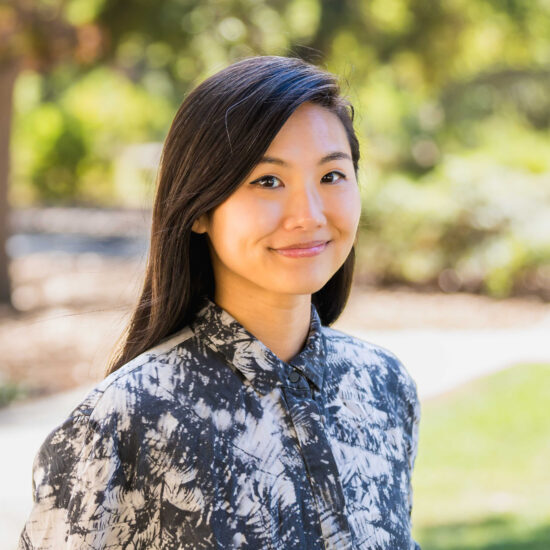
{"points": [[428, 76], [165, 44], [32, 34], [7, 79]]}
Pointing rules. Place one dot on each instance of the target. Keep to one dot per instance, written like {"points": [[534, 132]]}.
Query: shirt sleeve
{"points": [[412, 427], [411, 412], [80, 491], [412, 451]]}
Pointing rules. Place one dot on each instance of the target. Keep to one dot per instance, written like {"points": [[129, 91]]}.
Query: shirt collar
{"points": [[223, 333]]}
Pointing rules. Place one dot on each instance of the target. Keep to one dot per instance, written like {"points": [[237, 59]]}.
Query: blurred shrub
{"points": [[64, 150], [56, 147], [470, 224], [10, 391], [452, 105]]}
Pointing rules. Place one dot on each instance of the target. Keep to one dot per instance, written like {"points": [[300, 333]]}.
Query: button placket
{"points": [[298, 384], [294, 377], [321, 468]]}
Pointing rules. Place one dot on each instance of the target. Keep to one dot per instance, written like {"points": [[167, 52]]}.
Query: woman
{"points": [[233, 416]]}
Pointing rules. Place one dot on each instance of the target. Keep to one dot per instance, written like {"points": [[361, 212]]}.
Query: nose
{"points": [[305, 209]]}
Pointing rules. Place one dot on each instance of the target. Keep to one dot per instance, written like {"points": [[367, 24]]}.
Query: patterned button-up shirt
{"points": [[209, 440]]}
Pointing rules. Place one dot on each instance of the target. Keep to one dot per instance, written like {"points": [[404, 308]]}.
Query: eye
{"points": [[270, 182], [333, 177]]}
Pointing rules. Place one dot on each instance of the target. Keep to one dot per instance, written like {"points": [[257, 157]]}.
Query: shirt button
{"points": [[294, 377]]}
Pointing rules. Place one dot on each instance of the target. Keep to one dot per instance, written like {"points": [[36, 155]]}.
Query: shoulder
{"points": [[135, 388], [119, 412], [367, 359]]}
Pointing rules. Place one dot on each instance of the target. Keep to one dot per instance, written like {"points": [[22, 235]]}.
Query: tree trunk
{"points": [[335, 15], [8, 74]]}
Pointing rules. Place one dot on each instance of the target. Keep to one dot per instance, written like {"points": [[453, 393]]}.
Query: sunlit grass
{"points": [[482, 476]]}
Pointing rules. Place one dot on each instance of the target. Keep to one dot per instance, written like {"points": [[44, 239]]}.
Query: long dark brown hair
{"points": [[220, 132]]}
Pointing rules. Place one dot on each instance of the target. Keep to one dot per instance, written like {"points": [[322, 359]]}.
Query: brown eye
{"points": [[269, 181], [333, 177]]}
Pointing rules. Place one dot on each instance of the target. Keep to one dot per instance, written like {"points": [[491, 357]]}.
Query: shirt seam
{"points": [[146, 357]]}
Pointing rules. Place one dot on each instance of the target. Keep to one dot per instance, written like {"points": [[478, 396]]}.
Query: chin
{"points": [[302, 287]]}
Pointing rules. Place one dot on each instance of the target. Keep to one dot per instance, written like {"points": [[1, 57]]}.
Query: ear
{"points": [[200, 225]]}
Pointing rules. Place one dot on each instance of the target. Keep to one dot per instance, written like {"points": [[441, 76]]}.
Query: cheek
{"points": [[240, 223], [345, 211]]}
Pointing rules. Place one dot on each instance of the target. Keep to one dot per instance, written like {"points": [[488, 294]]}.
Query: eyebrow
{"points": [[336, 155]]}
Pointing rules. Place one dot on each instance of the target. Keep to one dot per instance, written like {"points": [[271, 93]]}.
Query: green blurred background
{"points": [[452, 102]]}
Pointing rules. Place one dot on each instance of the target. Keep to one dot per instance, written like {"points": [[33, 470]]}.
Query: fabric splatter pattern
{"points": [[210, 441]]}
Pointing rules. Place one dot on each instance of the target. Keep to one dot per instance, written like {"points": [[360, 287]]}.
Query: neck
{"points": [[280, 322]]}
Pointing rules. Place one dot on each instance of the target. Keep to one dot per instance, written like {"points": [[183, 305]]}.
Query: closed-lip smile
{"points": [[302, 250], [310, 244]]}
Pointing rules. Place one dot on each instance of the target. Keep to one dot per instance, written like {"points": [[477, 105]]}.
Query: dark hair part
{"points": [[218, 135]]}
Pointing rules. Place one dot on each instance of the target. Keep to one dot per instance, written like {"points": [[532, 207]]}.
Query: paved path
{"points": [[438, 360]]}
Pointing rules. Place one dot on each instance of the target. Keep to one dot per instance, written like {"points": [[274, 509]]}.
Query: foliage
{"points": [[64, 150], [441, 89], [470, 224], [481, 479], [10, 391]]}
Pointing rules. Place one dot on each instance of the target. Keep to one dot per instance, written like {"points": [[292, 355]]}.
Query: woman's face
{"points": [[303, 190]]}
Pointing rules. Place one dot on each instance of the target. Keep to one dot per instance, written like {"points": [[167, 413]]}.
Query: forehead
{"points": [[311, 129]]}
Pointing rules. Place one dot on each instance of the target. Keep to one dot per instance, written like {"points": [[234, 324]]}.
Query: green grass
{"points": [[482, 475]]}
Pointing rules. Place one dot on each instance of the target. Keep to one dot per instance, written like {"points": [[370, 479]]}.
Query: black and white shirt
{"points": [[210, 441]]}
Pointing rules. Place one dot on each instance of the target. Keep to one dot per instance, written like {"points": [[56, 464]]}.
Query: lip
{"points": [[309, 244], [303, 250]]}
